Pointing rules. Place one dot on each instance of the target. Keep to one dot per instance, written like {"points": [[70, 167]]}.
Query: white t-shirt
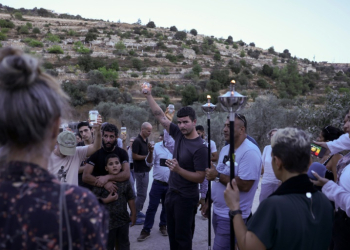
{"points": [[71, 164], [248, 158], [342, 143], [212, 146], [269, 175]]}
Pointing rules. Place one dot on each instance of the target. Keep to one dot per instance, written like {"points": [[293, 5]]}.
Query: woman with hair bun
{"points": [[37, 211]]}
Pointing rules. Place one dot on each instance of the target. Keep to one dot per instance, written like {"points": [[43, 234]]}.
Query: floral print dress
{"points": [[33, 216]]}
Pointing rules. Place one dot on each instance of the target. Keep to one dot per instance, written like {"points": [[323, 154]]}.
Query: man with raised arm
{"points": [[187, 169]]}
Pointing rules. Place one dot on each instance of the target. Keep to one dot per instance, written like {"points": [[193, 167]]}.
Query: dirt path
{"points": [[159, 242]]}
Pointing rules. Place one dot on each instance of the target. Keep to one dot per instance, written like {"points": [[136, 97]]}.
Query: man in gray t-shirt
{"points": [[247, 173], [187, 169]]}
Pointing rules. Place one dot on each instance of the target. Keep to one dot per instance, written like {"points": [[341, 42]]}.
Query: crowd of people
{"points": [[61, 190]]}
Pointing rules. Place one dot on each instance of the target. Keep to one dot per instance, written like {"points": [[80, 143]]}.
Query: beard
{"points": [[108, 146]]}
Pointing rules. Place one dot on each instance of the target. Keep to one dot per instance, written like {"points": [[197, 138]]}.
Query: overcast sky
{"points": [[308, 28]]}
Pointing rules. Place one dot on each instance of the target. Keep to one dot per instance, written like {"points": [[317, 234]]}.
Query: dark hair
{"points": [[111, 156], [292, 146], [30, 100], [331, 133], [161, 134], [110, 128], [200, 128], [187, 111], [82, 124], [242, 118]]}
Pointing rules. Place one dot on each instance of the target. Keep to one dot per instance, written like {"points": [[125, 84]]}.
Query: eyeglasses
{"points": [[242, 118]]}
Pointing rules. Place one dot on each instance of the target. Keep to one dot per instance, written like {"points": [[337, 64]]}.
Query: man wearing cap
{"points": [[66, 158]]}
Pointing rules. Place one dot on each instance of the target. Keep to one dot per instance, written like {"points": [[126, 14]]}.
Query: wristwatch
{"points": [[217, 178], [233, 213]]}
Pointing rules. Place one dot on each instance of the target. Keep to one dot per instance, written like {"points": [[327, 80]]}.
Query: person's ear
{"points": [[106, 168], [278, 162]]}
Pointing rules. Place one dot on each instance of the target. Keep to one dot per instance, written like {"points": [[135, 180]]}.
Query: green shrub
{"points": [[217, 57], [135, 75], [173, 28], [36, 30], [158, 91], [197, 69], [271, 50], [71, 33], [18, 15], [252, 44], [2, 36], [29, 25], [5, 30], [95, 77], [132, 52], [137, 63], [180, 35], [90, 37], [344, 90], [243, 62], [109, 74], [80, 48], [189, 95], [76, 92], [114, 65], [267, 70], [55, 49], [213, 86], [262, 83], [194, 32], [47, 65], [172, 58], [242, 54], [234, 66], [151, 24], [52, 38], [274, 61], [221, 76], [6, 24], [235, 46], [35, 43], [23, 30], [87, 63]]}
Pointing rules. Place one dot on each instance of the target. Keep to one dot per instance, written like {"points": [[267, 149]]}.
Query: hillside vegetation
{"points": [[101, 65]]}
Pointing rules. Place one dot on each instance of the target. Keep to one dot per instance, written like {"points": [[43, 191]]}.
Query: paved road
{"points": [[159, 242]]}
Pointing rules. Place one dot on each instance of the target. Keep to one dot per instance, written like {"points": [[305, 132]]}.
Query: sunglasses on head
{"points": [[242, 118]]}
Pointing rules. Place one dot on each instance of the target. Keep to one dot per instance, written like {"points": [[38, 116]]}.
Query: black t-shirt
{"points": [[286, 222], [140, 147], [98, 160], [192, 155]]}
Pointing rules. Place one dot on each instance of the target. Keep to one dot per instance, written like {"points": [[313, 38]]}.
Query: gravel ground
{"points": [[159, 242]]}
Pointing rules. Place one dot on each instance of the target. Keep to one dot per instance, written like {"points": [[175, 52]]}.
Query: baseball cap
{"points": [[67, 143]]}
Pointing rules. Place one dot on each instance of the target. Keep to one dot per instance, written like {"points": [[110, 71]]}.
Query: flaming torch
{"points": [[231, 102]]}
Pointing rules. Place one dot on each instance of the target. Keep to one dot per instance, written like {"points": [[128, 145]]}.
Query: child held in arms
{"points": [[115, 203]]}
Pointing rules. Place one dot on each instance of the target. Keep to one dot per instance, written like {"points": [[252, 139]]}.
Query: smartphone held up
{"points": [[317, 150]]}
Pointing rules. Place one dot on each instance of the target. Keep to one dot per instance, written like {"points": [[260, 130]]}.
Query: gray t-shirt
{"points": [[248, 158], [192, 155]]}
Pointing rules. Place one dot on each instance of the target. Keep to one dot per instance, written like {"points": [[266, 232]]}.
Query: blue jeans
{"points": [[132, 180], [157, 193], [221, 228]]}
